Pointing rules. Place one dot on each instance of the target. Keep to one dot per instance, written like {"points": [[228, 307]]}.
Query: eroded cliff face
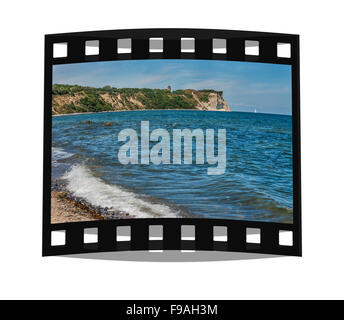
{"points": [[75, 99], [215, 102], [120, 103]]}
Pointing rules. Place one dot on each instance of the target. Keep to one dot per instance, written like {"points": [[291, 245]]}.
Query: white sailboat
{"points": [[255, 111]]}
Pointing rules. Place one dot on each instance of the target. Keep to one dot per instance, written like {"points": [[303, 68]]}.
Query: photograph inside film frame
{"points": [[172, 139]]}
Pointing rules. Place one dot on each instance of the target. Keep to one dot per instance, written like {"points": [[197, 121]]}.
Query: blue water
{"points": [[257, 184]]}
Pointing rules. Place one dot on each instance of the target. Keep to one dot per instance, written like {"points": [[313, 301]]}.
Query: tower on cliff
{"points": [[169, 88]]}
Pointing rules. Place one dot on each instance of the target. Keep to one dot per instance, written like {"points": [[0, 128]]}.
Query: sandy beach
{"points": [[67, 208], [64, 209]]}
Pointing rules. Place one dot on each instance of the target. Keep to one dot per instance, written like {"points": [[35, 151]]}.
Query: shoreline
{"points": [[64, 209], [67, 208], [78, 113]]}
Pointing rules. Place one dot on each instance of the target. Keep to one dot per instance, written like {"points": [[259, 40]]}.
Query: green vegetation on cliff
{"points": [[75, 99]]}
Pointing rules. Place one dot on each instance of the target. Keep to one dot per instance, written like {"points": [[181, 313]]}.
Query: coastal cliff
{"points": [[68, 99]]}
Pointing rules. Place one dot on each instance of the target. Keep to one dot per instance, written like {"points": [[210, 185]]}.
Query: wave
{"points": [[82, 183], [59, 154], [58, 157]]}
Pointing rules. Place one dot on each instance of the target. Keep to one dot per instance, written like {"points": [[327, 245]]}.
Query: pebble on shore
{"points": [[67, 208]]}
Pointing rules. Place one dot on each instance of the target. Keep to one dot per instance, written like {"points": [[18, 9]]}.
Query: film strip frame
{"points": [[236, 230]]}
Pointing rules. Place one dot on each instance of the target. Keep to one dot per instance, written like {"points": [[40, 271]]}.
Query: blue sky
{"points": [[246, 85]]}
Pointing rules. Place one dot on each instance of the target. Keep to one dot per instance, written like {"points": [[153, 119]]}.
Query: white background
{"points": [[25, 274]]}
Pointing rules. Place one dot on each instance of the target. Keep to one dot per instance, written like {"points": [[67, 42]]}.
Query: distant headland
{"points": [[68, 99]]}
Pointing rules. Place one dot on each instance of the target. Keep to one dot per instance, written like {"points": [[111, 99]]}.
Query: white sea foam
{"points": [[82, 183], [58, 154]]}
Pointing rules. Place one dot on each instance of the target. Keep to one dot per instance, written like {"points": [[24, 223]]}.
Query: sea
{"points": [[257, 184]]}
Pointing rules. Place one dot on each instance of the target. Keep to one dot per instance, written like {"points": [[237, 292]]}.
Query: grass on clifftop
{"points": [[91, 101]]}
